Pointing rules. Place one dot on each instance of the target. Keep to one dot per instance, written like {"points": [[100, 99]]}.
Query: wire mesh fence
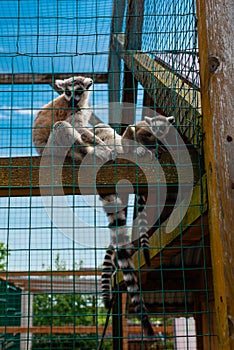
{"points": [[142, 57]]}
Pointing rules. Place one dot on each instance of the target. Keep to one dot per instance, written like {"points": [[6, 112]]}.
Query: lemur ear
{"points": [[147, 119], [60, 84], [171, 119]]}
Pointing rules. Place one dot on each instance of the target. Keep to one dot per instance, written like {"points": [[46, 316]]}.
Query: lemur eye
{"points": [[79, 92], [68, 93]]}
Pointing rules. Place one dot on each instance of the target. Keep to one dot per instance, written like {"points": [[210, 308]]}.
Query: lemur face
{"points": [[77, 88], [159, 125]]}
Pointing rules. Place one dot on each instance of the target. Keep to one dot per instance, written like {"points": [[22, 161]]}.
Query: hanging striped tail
{"points": [[119, 254], [143, 227], [126, 265], [115, 212], [107, 272]]}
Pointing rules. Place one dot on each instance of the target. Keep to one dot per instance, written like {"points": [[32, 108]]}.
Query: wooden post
{"points": [[117, 326], [114, 65], [215, 34], [133, 38], [124, 322]]}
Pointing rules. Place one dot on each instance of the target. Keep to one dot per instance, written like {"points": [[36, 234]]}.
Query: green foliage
{"points": [[67, 309], [61, 309], [3, 254], [77, 342]]}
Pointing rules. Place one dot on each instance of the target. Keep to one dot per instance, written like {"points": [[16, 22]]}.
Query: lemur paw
{"points": [[103, 153], [142, 151], [60, 124]]}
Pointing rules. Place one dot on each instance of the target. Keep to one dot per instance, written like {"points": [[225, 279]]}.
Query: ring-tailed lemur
{"points": [[151, 133], [148, 132], [62, 122], [120, 250]]}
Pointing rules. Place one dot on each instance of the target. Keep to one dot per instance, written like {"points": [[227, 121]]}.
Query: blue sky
{"points": [[41, 37]]}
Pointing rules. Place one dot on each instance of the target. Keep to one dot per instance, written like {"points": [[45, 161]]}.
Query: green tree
{"points": [[66, 309], [3, 254], [61, 309]]}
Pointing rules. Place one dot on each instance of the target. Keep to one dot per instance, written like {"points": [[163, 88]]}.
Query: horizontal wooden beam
{"points": [[37, 78], [87, 272], [135, 329], [59, 281], [51, 329], [19, 176]]}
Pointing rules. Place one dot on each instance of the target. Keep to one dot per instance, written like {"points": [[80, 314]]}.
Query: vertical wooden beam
{"points": [[117, 326], [124, 322], [114, 64], [149, 105], [133, 39], [134, 24], [215, 35], [209, 340], [198, 322]]}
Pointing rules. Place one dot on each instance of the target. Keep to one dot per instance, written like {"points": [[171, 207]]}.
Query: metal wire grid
{"points": [[67, 37]]}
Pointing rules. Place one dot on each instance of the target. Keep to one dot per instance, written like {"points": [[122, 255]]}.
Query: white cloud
{"points": [[6, 110]]}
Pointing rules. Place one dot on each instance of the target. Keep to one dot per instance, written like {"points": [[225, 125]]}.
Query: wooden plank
{"points": [[19, 176], [215, 34], [37, 78], [9, 274], [52, 329], [75, 329]]}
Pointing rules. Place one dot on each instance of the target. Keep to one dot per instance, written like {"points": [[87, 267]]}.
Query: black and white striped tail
{"points": [[142, 222], [107, 272], [119, 254], [126, 265], [116, 214]]}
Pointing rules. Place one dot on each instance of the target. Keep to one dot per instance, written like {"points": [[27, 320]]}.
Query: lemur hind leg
{"points": [[99, 147], [65, 140]]}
